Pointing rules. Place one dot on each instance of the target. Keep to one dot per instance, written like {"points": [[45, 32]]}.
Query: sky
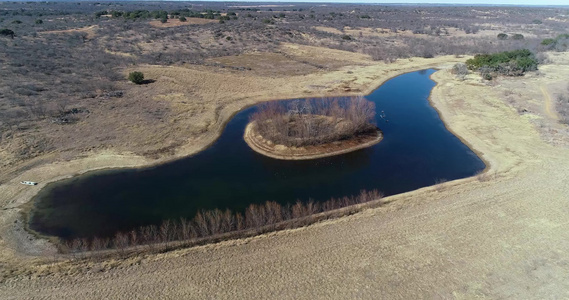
{"points": [[461, 2]]}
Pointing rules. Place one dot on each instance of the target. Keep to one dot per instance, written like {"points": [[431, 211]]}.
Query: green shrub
{"points": [[7, 32], [518, 36], [136, 77], [502, 36], [559, 43], [346, 37], [510, 63], [548, 42], [182, 19], [39, 21]]}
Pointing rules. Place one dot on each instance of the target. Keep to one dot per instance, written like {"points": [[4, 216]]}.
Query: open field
{"points": [[501, 234]]}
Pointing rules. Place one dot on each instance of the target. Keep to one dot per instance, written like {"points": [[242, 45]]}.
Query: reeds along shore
{"points": [[256, 219]]}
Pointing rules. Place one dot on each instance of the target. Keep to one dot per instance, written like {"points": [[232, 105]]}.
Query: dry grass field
{"points": [[501, 234]]}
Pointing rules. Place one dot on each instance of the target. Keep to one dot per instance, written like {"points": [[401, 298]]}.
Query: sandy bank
{"points": [[262, 146]]}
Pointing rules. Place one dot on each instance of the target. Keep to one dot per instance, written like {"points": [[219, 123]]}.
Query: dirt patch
{"points": [[263, 63], [90, 31]]}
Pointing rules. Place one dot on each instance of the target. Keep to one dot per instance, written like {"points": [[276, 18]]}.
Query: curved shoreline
{"points": [[489, 233], [24, 244], [255, 145]]}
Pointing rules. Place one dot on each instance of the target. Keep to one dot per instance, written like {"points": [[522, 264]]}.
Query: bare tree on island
{"points": [[315, 121]]}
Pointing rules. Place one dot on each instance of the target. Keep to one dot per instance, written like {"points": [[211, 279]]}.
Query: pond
{"points": [[416, 151]]}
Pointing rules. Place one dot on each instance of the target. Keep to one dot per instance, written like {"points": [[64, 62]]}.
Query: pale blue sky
{"points": [[462, 2]]}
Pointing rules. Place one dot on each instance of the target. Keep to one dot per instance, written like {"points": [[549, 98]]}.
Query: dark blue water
{"points": [[416, 151]]}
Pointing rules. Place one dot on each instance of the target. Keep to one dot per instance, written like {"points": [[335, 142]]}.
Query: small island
{"points": [[312, 128]]}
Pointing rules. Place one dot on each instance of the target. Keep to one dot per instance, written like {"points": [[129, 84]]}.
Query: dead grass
{"points": [[374, 32], [90, 31], [490, 224], [493, 238]]}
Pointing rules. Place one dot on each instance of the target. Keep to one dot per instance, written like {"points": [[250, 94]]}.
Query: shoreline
{"points": [[494, 237], [253, 143], [26, 245], [445, 122]]}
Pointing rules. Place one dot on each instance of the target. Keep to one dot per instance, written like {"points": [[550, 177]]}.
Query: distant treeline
{"points": [[162, 14]]}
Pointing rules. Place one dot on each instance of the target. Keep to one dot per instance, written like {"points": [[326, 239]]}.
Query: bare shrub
{"points": [[257, 219], [314, 121], [121, 241], [440, 184], [460, 70], [482, 176], [563, 107]]}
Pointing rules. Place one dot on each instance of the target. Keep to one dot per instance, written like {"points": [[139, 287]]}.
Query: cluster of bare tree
{"points": [[217, 225], [314, 121]]}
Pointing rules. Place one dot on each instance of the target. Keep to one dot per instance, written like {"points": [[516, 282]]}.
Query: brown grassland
{"points": [[501, 234]]}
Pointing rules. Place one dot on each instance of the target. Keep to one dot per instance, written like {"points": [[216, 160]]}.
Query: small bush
{"points": [[518, 37], [7, 32], [39, 21], [563, 107], [346, 37], [460, 69], [560, 43], [502, 36], [547, 42], [182, 19], [136, 77]]}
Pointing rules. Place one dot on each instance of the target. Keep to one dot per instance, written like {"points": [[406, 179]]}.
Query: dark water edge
{"points": [[416, 151]]}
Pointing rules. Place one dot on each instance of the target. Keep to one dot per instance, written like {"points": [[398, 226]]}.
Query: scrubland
{"points": [[66, 108]]}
